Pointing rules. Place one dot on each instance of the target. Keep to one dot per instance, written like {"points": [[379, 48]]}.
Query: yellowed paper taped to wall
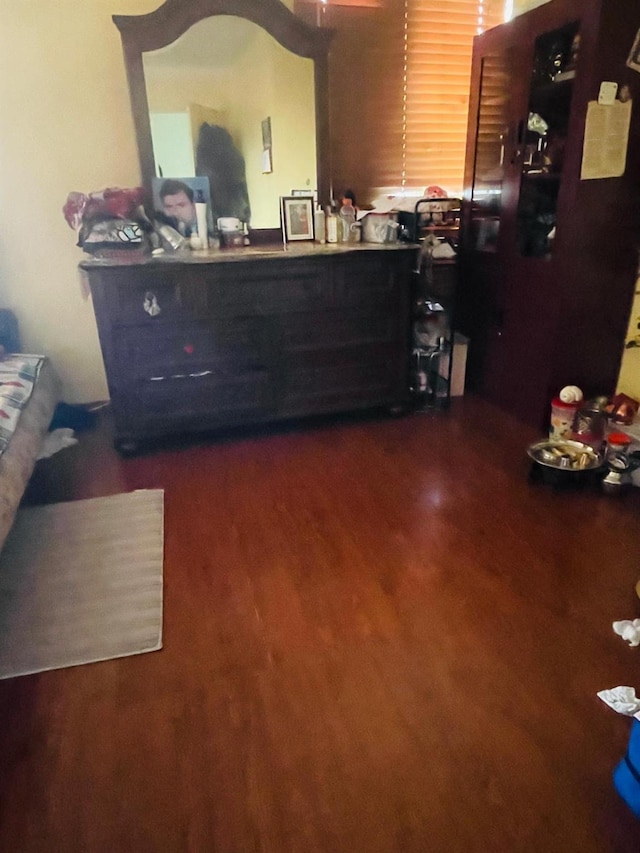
{"points": [[606, 138]]}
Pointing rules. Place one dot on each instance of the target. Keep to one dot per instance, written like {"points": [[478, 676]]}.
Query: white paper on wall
{"points": [[606, 139]]}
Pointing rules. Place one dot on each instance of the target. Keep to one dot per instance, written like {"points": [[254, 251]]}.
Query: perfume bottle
{"points": [[201, 219], [319, 226], [332, 226], [347, 219]]}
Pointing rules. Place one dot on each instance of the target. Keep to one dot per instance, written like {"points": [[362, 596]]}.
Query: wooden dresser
{"points": [[229, 338]]}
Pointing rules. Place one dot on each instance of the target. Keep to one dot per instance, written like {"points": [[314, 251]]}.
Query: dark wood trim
{"points": [[172, 19], [323, 136], [140, 111], [161, 27]]}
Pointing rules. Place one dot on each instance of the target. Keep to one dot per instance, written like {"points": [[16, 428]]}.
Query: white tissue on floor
{"points": [[55, 441], [623, 700], [629, 630]]}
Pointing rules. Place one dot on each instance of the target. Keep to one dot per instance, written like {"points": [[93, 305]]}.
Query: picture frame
{"points": [[297, 217], [266, 132], [183, 214]]}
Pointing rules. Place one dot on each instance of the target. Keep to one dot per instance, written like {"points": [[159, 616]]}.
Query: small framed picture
{"points": [[297, 217]]}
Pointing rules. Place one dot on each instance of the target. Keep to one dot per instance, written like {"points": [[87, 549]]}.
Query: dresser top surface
{"points": [[247, 253]]}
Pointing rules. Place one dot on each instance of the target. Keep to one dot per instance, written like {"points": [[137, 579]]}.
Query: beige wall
{"points": [[66, 125]]}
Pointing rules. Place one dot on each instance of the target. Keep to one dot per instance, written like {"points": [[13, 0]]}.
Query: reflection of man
{"points": [[177, 201]]}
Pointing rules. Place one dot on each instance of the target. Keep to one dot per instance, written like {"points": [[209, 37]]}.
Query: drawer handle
{"points": [[150, 304]]}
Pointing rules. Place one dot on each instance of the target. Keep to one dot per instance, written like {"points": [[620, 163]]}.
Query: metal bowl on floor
{"points": [[564, 462]]}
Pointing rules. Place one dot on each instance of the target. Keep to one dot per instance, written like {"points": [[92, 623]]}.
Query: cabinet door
{"points": [[495, 140], [533, 265], [498, 98], [514, 300], [542, 141]]}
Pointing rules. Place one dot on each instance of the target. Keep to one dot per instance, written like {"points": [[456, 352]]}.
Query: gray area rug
{"points": [[82, 582]]}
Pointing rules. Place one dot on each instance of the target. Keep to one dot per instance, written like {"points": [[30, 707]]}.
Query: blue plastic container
{"points": [[626, 776]]}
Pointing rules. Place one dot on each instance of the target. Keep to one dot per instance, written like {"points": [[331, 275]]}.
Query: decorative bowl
{"points": [[565, 455], [563, 463]]}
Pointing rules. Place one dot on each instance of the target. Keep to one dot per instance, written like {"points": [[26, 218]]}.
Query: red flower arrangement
{"points": [[112, 218]]}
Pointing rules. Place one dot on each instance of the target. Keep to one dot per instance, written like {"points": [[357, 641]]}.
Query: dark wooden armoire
{"points": [[549, 254]]}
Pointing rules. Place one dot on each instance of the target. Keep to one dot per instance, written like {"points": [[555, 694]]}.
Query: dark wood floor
{"points": [[379, 636]]}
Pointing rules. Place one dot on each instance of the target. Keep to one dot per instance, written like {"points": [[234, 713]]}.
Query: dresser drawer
{"points": [[146, 296], [152, 296], [345, 327], [226, 345], [209, 398], [342, 378], [222, 290], [367, 280]]}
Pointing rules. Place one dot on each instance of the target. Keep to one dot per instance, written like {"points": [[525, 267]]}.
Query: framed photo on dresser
{"points": [[297, 217]]}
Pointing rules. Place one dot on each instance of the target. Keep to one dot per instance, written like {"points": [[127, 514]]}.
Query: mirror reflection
{"points": [[228, 102]]}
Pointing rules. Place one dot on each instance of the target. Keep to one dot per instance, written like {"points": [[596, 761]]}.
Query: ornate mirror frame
{"points": [[141, 33]]}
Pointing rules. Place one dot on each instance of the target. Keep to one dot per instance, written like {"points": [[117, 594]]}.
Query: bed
{"points": [[18, 457]]}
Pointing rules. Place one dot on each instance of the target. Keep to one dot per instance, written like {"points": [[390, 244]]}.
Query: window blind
{"points": [[399, 90], [437, 70], [366, 97]]}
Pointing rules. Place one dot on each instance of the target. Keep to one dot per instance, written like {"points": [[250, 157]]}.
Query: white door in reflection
{"points": [[172, 144]]}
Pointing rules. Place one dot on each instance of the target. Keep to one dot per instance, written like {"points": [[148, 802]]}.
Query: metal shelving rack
{"points": [[434, 304]]}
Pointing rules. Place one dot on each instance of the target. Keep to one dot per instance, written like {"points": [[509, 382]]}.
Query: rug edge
{"points": [[155, 648]]}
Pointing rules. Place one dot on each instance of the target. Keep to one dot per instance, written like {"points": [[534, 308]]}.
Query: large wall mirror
{"points": [[254, 72]]}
